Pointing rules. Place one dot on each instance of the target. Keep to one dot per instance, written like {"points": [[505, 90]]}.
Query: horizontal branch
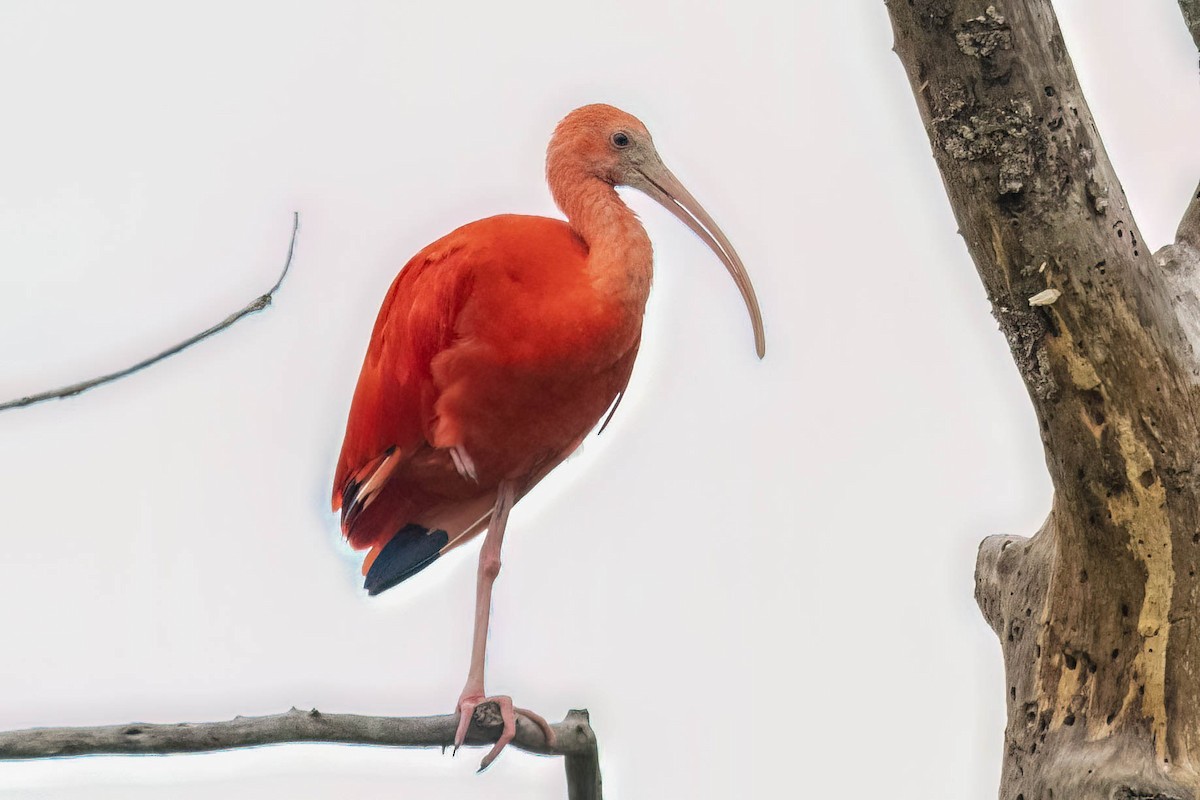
{"points": [[574, 738], [258, 304]]}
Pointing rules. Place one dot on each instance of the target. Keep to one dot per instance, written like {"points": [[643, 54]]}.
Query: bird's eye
{"points": [[620, 140]]}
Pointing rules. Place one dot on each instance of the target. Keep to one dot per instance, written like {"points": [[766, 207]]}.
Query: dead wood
{"points": [[1095, 612], [574, 739], [256, 305]]}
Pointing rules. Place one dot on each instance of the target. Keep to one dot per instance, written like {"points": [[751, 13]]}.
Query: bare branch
{"points": [[574, 738], [1191, 15], [1093, 612], [1040, 207], [258, 304], [1189, 228]]}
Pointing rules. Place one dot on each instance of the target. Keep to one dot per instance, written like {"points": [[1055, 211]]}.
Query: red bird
{"points": [[497, 349]]}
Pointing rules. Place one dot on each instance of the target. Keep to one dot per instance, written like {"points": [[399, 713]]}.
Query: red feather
{"points": [[491, 339]]}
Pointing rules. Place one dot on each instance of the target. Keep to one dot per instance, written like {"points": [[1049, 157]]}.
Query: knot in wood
{"points": [[487, 715]]}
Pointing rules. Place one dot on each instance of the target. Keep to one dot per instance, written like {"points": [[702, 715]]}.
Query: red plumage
{"points": [[492, 339], [497, 349]]}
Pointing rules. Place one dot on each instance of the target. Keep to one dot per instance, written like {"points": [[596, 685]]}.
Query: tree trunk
{"points": [[1095, 612]]}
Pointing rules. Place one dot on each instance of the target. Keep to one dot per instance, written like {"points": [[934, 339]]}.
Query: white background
{"points": [[759, 578]]}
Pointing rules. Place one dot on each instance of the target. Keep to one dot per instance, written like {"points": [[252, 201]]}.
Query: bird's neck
{"points": [[620, 257]]}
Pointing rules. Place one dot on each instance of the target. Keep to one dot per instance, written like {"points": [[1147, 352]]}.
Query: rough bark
{"points": [[1189, 228], [1096, 612], [1191, 15], [574, 738]]}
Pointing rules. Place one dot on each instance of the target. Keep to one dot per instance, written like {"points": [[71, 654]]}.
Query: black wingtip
{"points": [[412, 549]]}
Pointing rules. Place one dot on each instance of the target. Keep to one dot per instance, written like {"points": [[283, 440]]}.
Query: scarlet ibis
{"points": [[496, 351]]}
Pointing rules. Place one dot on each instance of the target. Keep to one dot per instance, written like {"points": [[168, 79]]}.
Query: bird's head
{"points": [[602, 142]]}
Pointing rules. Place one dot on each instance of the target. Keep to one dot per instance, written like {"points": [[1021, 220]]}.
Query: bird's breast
{"points": [[542, 355], [554, 314]]}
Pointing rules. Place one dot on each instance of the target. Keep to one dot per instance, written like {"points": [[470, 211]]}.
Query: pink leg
{"points": [[473, 693]]}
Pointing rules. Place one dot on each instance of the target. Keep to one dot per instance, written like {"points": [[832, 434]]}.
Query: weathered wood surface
{"points": [[1191, 15], [574, 738], [1096, 612]]}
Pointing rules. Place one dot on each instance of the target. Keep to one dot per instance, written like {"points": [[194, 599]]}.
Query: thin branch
{"points": [[258, 304], [575, 739]]}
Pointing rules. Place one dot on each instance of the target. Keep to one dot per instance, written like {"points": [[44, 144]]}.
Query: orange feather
{"points": [[499, 346]]}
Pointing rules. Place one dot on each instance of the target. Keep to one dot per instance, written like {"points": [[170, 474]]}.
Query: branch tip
{"points": [[260, 303]]}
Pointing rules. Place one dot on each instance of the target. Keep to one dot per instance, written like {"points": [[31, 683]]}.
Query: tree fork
{"points": [[1095, 612]]}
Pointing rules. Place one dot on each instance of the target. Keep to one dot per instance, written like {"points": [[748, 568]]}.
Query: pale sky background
{"points": [[759, 579]]}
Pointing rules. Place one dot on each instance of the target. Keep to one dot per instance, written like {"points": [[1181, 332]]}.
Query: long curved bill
{"points": [[665, 188]]}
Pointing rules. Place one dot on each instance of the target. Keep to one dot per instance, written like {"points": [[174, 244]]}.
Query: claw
{"points": [[541, 722], [506, 734], [466, 709]]}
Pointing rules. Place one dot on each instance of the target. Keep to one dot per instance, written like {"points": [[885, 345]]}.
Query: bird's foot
{"points": [[508, 718]]}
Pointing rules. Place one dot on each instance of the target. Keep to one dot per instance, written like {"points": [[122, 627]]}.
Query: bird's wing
{"points": [[452, 308], [393, 402]]}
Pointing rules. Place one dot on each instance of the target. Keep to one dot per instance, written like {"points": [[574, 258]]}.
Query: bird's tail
{"points": [[411, 550]]}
